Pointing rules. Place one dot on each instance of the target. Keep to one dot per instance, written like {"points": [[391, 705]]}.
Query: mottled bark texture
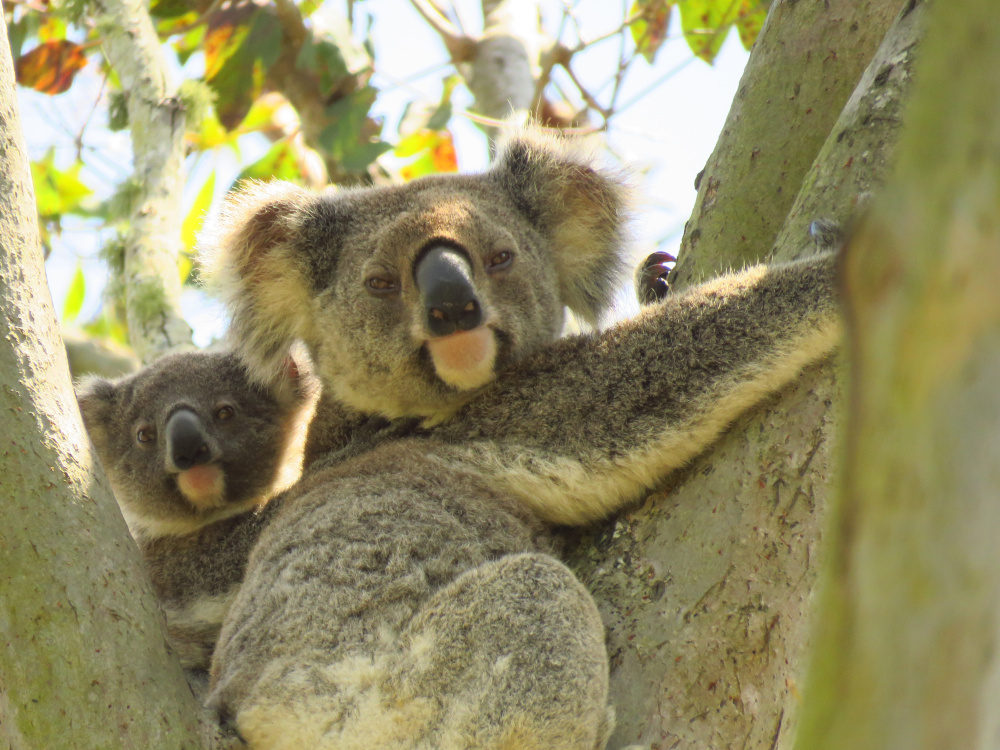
{"points": [[707, 588], [803, 68], [908, 640], [503, 70], [83, 657], [156, 123]]}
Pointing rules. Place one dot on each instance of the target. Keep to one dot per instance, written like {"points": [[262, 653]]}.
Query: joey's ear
{"points": [[96, 397], [583, 209], [251, 261], [299, 374]]}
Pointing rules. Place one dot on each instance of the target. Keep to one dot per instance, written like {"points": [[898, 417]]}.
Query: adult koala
{"points": [[405, 594]]}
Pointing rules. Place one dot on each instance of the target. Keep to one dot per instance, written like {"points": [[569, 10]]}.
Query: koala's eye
{"points": [[225, 412], [145, 434], [500, 261], [380, 286]]}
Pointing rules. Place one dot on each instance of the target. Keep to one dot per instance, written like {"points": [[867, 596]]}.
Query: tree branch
{"points": [[801, 71], [85, 661], [907, 632], [157, 124], [459, 46]]}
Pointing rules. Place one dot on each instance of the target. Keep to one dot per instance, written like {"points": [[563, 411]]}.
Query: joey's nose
{"points": [[448, 296], [186, 440]]}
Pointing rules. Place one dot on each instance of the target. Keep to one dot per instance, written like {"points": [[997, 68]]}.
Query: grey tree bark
{"points": [[706, 589], [83, 656], [156, 123], [908, 639], [804, 66]]}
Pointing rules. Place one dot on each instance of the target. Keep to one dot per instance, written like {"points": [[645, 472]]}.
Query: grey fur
{"points": [[196, 555], [406, 594]]}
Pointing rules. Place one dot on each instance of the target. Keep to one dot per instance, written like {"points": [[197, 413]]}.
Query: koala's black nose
{"points": [[186, 440], [444, 279]]}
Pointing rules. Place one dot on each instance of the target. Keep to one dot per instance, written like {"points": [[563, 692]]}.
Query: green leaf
{"points": [[323, 60], [705, 24], [238, 51], [169, 9], [57, 191], [277, 164], [74, 297], [350, 136], [196, 216], [21, 30]]}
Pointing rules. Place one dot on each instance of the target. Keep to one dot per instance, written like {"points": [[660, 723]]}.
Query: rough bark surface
{"points": [[804, 66], [908, 644], [707, 589], [83, 656], [156, 122], [503, 70], [855, 159]]}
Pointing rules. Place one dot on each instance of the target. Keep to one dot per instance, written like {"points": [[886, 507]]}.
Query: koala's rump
{"points": [[351, 557]]}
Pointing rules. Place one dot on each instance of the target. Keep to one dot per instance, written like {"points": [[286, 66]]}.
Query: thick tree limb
{"points": [[856, 157], [83, 653], [802, 69], [908, 641], [156, 121]]}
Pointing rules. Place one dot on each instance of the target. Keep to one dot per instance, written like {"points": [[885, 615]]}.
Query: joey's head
{"points": [[190, 439], [412, 298]]}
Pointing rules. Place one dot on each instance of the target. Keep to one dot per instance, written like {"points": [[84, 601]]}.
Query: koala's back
{"points": [[352, 563]]}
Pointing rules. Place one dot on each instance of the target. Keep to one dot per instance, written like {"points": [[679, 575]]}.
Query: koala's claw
{"points": [[651, 281]]}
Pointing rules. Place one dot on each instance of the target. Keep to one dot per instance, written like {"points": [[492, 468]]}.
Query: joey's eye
{"points": [[500, 261], [381, 286], [225, 412], [145, 434]]}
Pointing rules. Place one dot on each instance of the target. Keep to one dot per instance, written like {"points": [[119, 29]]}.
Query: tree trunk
{"points": [[804, 66], [84, 662], [909, 629], [706, 588]]}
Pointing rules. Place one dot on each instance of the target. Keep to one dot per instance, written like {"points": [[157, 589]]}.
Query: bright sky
{"points": [[666, 135]]}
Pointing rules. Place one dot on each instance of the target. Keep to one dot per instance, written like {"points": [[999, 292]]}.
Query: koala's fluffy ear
{"points": [[299, 373], [251, 263], [581, 208], [96, 397]]}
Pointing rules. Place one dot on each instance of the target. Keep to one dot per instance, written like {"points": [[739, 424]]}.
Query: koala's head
{"points": [[411, 298], [190, 439]]}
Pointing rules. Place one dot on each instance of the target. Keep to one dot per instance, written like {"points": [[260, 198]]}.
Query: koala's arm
{"points": [[588, 425]]}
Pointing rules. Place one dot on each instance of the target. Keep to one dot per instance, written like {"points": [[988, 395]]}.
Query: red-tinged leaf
{"points": [[649, 28], [240, 61], [51, 67], [434, 151], [445, 158], [221, 42]]}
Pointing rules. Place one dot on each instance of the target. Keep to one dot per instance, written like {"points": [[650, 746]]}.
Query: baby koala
{"points": [[194, 450]]}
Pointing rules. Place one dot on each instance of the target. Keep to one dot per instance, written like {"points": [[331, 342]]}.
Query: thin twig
{"points": [[459, 46], [78, 141]]}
